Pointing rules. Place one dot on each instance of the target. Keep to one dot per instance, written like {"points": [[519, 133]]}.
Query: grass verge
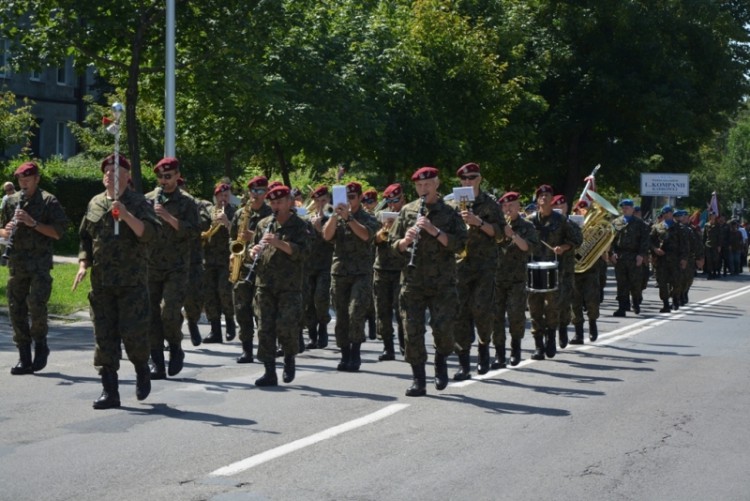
{"points": [[63, 301]]}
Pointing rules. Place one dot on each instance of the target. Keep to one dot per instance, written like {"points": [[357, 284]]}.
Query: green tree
{"points": [[16, 121]]}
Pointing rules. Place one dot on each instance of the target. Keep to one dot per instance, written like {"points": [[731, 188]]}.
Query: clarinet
{"points": [[250, 278], [413, 249], [9, 246]]}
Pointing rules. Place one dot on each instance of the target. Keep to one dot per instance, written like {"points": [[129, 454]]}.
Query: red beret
{"points": [[296, 192], [511, 196], [110, 160], [371, 194], [559, 200], [319, 192], [221, 187], [277, 192], [166, 164], [545, 188], [27, 169], [393, 190], [274, 184], [470, 168], [354, 187], [582, 204], [258, 182], [425, 173]]}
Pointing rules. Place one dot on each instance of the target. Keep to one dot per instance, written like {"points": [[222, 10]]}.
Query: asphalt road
{"points": [[657, 408]]}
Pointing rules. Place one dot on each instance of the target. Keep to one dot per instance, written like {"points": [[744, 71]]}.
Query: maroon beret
{"points": [[274, 184], [545, 188], [393, 190], [221, 187], [511, 196], [425, 173], [354, 187], [470, 168], [110, 160], [278, 192], [167, 164], [559, 200], [319, 192], [27, 169], [371, 194], [258, 182], [582, 204]]}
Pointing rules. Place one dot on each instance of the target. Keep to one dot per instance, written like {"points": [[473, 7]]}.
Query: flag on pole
{"points": [[713, 205]]}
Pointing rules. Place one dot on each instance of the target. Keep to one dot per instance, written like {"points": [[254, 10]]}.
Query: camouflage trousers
{"points": [[119, 313], [565, 297], [669, 278], [442, 303], [386, 289], [713, 260], [351, 296], [510, 301], [476, 289], [544, 309], [28, 295], [585, 292], [169, 288], [318, 297], [217, 297], [194, 298], [242, 294], [278, 319], [629, 279]]}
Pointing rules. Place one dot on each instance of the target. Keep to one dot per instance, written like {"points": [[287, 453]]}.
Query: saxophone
{"points": [[215, 224], [239, 246]]}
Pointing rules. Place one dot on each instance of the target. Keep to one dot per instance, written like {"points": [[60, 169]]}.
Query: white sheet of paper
{"points": [[463, 193], [386, 215], [339, 195]]}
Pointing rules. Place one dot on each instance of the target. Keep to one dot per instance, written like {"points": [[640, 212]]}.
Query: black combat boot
{"points": [[418, 386], [621, 309], [464, 367], [158, 371], [550, 348], [538, 348], [215, 335], [312, 332], [269, 377], [195, 334], [515, 351], [24, 365], [301, 341], [142, 382], [499, 362], [563, 336], [176, 359], [247, 353], [231, 328], [110, 397], [389, 352], [41, 352], [372, 331], [578, 338], [637, 306], [676, 303], [355, 359], [346, 355], [593, 331], [483, 362], [441, 371], [322, 335], [289, 369], [666, 308]]}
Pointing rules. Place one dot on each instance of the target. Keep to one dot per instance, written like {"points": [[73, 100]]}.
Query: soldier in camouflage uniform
{"points": [[428, 233], [628, 254], [119, 277], [475, 268], [244, 291], [352, 232], [388, 266], [567, 273], [218, 289], [194, 300], [712, 244], [318, 273], [561, 239], [670, 249], [369, 204], [169, 264], [516, 243], [695, 255], [586, 292], [281, 244], [32, 219]]}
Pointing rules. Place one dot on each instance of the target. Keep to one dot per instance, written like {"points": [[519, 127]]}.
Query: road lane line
{"points": [[252, 461]]}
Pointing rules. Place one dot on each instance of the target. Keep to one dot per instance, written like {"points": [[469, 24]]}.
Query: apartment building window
{"points": [[61, 146], [62, 75], [35, 76], [4, 57]]}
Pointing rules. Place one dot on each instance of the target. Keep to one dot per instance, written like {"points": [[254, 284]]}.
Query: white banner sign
{"points": [[665, 185]]}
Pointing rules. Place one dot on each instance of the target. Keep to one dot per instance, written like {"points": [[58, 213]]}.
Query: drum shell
{"points": [[542, 276]]}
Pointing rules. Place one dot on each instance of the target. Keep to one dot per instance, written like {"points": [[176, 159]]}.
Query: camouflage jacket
{"points": [[252, 221], [631, 237], [711, 235], [321, 251], [117, 260], [555, 230], [434, 264], [672, 240], [204, 223], [275, 269], [511, 262], [216, 250], [481, 249], [171, 251], [697, 251], [351, 254]]}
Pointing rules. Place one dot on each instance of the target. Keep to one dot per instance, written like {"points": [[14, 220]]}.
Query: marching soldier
{"points": [[567, 273], [518, 239], [32, 219], [169, 261], [254, 210], [194, 302], [352, 232], [670, 250], [369, 203], [119, 275], [476, 274], [586, 292], [428, 233], [629, 254], [318, 270], [712, 244], [280, 245], [696, 254]]}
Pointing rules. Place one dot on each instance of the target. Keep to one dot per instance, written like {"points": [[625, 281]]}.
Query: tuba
{"points": [[598, 233], [239, 246]]}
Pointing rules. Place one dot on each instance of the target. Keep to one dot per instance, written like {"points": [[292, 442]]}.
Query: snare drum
{"points": [[541, 276]]}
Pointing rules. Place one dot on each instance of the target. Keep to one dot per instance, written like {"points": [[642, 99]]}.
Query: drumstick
{"points": [[548, 245]]}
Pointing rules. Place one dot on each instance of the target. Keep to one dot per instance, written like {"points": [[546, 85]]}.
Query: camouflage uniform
{"points": [[431, 282], [195, 299], [712, 243], [169, 264], [567, 277], [317, 290], [218, 289], [631, 240], [585, 292], [696, 253], [388, 265], [119, 277], [278, 287], [671, 239], [29, 279]]}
